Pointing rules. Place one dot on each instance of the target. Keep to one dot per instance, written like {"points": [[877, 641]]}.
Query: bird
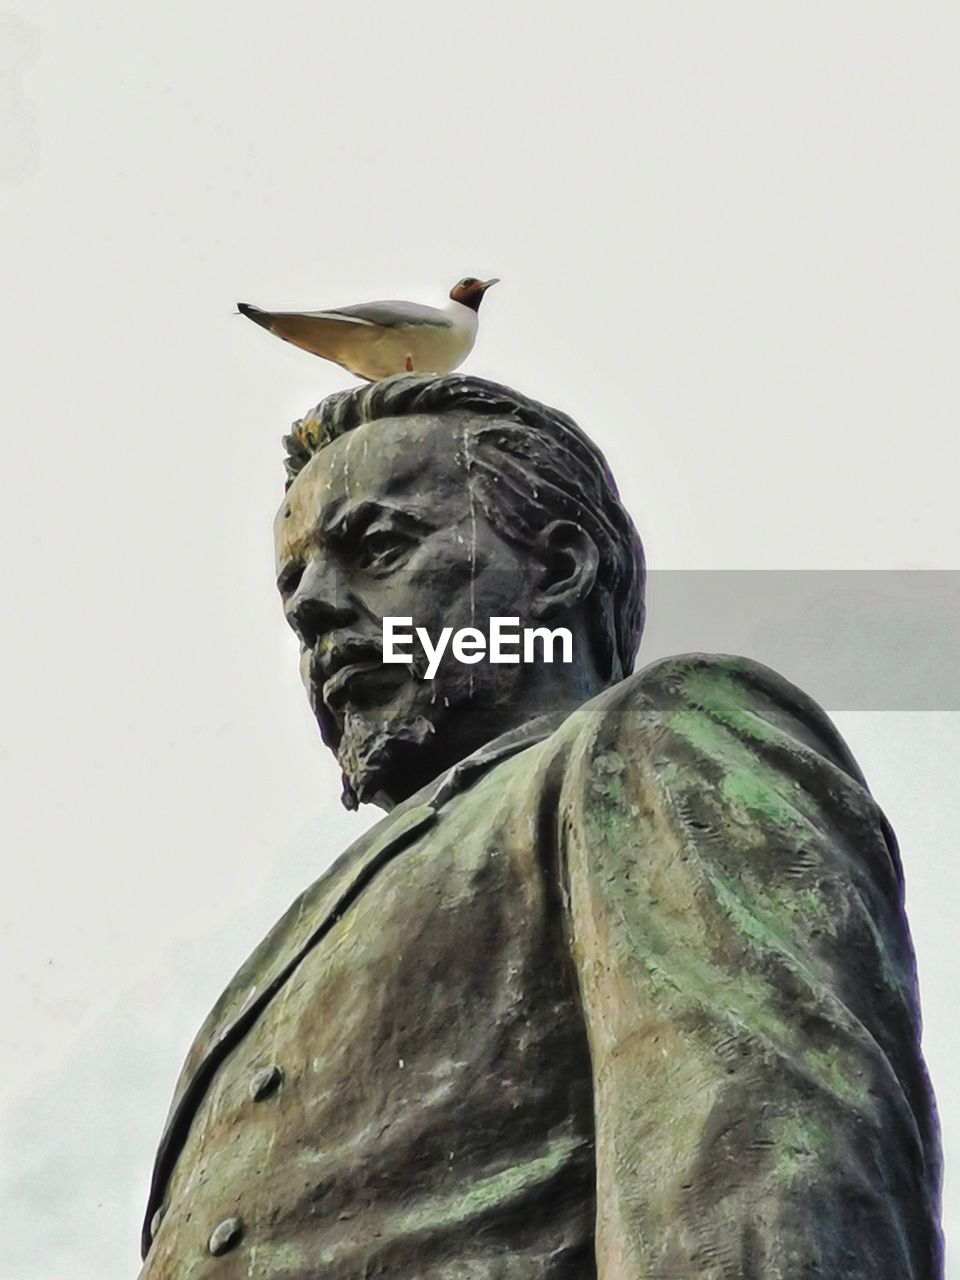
{"points": [[375, 340]]}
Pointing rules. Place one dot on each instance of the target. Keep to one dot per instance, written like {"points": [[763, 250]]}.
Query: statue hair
{"points": [[527, 465]]}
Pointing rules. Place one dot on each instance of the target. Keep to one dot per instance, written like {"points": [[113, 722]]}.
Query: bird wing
{"points": [[390, 314], [320, 332], [345, 334]]}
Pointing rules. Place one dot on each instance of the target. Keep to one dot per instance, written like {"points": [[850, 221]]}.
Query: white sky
{"points": [[727, 236]]}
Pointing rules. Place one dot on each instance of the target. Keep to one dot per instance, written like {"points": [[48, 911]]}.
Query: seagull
{"points": [[375, 340]]}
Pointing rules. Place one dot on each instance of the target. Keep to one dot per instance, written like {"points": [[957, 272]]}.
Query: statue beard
{"points": [[371, 753], [377, 741]]}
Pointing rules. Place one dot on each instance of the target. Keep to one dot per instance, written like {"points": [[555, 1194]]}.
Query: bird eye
{"points": [[468, 282]]}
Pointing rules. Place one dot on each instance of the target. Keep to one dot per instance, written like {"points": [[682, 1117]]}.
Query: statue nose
{"points": [[320, 603]]}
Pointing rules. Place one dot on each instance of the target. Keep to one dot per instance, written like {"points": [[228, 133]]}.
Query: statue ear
{"points": [[570, 561]]}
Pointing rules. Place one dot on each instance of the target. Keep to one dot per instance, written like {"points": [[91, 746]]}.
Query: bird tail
{"points": [[263, 318]]}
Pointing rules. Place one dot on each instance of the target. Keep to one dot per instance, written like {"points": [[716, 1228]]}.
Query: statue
{"points": [[620, 986]]}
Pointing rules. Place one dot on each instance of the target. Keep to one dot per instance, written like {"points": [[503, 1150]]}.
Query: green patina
{"points": [[843, 1081], [805, 908], [608, 782], [670, 949], [812, 901], [669, 946], [490, 1193], [607, 788], [754, 791], [798, 1139], [610, 762], [669, 773], [748, 782], [718, 693], [701, 732], [755, 913]]}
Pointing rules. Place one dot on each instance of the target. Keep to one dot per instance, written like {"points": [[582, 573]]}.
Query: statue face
{"points": [[381, 524]]}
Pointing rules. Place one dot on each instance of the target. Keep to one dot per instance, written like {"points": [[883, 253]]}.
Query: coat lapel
{"points": [[303, 926]]}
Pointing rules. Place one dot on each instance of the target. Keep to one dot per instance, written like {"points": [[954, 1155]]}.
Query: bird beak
{"points": [[488, 283]]}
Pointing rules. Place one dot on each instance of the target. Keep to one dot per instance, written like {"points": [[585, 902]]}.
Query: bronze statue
{"points": [[620, 986]]}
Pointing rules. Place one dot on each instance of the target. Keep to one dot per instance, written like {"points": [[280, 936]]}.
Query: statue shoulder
{"points": [[730, 740], [694, 704]]}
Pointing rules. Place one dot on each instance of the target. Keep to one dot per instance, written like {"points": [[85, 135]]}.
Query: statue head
{"points": [[447, 501]]}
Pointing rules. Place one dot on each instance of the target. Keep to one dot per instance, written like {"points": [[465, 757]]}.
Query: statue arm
{"points": [[747, 979]]}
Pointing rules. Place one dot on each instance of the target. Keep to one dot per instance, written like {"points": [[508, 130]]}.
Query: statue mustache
{"points": [[333, 655]]}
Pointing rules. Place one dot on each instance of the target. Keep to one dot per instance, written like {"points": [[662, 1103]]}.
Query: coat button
{"points": [[224, 1236], [265, 1082]]}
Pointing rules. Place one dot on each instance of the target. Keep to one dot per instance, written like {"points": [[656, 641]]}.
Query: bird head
{"points": [[470, 291]]}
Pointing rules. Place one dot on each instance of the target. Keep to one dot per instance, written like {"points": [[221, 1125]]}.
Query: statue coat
{"points": [[631, 995]]}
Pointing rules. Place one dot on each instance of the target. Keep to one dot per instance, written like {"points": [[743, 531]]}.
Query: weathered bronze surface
{"points": [[620, 986]]}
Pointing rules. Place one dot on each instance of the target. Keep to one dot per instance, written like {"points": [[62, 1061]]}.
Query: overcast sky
{"points": [[727, 237]]}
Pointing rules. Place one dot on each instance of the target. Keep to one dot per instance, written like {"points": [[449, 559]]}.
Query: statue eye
{"points": [[380, 548], [289, 578]]}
